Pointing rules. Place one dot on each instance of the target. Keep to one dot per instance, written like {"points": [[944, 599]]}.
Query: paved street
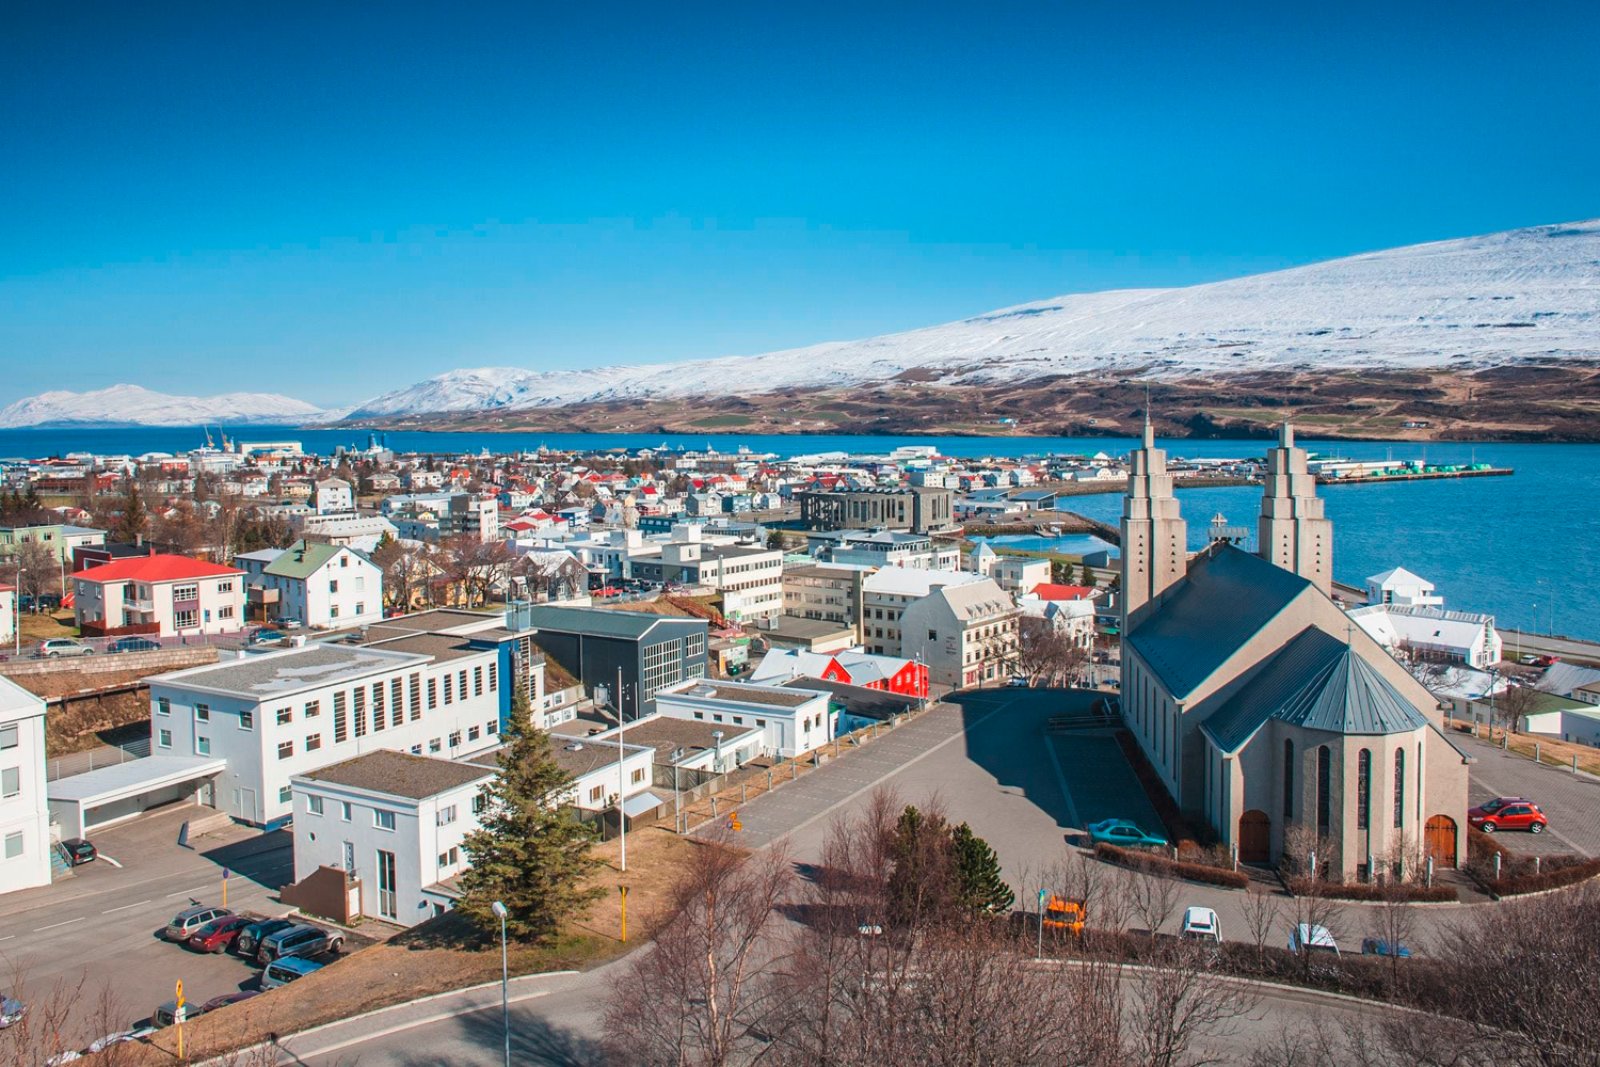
{"points": [[98, 926]]}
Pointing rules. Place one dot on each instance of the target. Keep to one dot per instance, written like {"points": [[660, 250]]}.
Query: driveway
{"points": [[1571, 801], [93, 934]]}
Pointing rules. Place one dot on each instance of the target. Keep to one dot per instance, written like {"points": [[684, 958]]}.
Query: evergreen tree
{"points": [[920, 883], [130, 524], [979, 885], [530, 854], [1086, 577]]}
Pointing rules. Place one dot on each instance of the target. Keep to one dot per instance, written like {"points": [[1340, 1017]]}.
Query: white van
{"points": [[1200, 924], [1312, 939]]}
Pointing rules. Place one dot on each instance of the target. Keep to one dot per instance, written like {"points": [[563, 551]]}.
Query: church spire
{"points": [[1155, 539], [1292, 531]]}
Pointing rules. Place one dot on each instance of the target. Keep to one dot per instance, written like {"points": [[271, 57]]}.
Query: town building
{"points": [[892, 674], [1400, 587], [594, 644], [159, 594], [334, 496], [24, 811], [883, 548], [320, 586], [1434, 635], [918, 508], [793, 721], [1262, 708], [60, 538], [394, 821], [823, 592]]}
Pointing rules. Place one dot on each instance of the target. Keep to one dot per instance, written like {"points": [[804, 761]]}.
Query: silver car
{"points": [[187, 922]]}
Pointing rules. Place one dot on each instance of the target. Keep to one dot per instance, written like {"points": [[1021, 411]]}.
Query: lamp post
{"points": [[499, 910], [622, 778]]}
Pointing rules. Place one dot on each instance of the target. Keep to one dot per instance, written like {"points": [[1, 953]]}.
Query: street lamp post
{"points": [[499, 910], [622, 779]]}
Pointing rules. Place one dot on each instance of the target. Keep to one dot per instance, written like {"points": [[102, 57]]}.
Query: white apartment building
{"points": [[272, 716], [320, 586], [334, 497], [749, 579], [8, 614], [793, 721], [1433, 634], [161, 594], [965, 634], [395, 820], [24, 812], [885, 596], [596, 779]]}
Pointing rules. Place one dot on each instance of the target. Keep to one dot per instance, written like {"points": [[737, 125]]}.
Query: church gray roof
{"points": [[1224, 601], [1318, 682]]}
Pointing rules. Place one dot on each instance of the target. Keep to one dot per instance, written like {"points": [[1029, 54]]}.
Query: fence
{"points": [[84, 762]]}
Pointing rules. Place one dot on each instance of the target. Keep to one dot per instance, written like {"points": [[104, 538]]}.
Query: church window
{"points": [[1364, 789], [1324, 790], [1399, 787], [1288, 779]]}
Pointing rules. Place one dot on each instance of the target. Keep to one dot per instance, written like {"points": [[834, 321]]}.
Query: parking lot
{"points": [[1572, 802], [93, 936]]}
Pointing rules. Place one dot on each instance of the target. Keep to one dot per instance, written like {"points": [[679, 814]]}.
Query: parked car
{"points": [[187, 922], [218, 934], [301, 939], [286, 970], [1377, 946], [167, 1014], [11, 1011], [62, 646], [289, 624], [1064, 915], [100, 1045], [1017, 681], [268, 637], [251, 936], [78, 851], [133, 644], [1312, 939], [229, 998], [1546, 661], [1513, 814], [1200, 924], [1124, 834]]}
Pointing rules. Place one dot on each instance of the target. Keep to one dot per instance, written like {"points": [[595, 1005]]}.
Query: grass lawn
{"points": [[445, 954], [43, 626], [713, 421]]}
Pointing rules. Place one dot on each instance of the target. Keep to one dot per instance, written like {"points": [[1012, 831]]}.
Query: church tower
{"points": [[1293, 532], [1155, 539]]}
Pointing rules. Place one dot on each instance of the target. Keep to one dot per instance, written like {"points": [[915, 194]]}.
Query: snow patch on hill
{"points": [[133, 405]]}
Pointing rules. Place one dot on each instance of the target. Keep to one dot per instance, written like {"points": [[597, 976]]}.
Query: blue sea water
{"points": [[1523, 547]]}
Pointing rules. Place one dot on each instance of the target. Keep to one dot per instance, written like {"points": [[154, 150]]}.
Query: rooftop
{"points": [[277, 674], [302, 560], [16, 702], [441, 647], [740, 692], [155, 568], [400, 774], [579, 756], [665, 734], [859, 700], [436, 620], [600, 622]]}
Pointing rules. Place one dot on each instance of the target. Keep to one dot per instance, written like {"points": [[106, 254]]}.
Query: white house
{"points": [[793, 721], [24, 812], [596, 779], [8, 614], [334, 497], [965, 634], [1432, 633], [161, 594], [275, 715], [1399, 586], [397, 821], [321, 586]]}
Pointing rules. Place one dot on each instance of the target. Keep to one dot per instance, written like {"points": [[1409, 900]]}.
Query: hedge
{"points": [[1158, 864], [1368, 891], [1555, 875]]}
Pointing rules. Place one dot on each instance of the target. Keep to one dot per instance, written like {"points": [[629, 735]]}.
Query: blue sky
{"points": [[330, 201]]}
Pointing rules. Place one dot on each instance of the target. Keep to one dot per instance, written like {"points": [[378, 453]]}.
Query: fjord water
{"points": [[1523, 547]]}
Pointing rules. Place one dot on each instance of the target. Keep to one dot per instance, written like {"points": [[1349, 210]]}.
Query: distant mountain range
{"points": [[1522, 298], [133, 405]]}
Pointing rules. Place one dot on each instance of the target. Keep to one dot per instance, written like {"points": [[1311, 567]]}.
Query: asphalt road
{"points": [[92, 936]]}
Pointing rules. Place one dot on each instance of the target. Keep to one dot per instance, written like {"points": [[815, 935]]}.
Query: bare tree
{"points": [[1045, 654], [1261, 908], [1177, 1002], [1514, 705], [1394, 923], [1115, 906], [1154, 898], [40, 572], [693, 998]]}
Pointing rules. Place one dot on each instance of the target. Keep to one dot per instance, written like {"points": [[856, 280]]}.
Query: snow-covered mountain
{"points": [[133, 405], [1475, 302]]}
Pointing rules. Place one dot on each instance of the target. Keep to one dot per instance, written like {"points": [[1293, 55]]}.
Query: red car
{"points": [[1508, 813], [218, 934]]}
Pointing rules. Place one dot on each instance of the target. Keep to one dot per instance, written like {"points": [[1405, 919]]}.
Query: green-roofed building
{"points": [[1267, 713], [319, 586]]}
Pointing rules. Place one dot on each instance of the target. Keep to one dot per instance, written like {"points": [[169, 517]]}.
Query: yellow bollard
{"points": [[624, 891]]}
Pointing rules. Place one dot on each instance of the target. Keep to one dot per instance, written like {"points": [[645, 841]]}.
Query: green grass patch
{"points": [[713, 421]]}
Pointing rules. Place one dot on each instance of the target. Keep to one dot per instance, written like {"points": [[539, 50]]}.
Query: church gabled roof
{"points": [[1225, 599], [1317, 682]]}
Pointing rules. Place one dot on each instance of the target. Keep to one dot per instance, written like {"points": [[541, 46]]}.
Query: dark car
{"points": [[251, 936], [79, 851], [300, 939], [133, 644], [218, 934], [268, 637], [229, 998]]}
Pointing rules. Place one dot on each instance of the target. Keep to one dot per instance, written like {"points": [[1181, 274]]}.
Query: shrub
{"points": [[1556, 872], [1372, 891], [1158, 864]]}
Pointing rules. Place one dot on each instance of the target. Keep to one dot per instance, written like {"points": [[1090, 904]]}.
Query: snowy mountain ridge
{"points": [[133, 405], [1469, 303]]}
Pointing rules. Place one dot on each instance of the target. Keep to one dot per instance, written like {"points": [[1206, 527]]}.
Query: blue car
{"points": [[1377, 946], [1124, 834]]}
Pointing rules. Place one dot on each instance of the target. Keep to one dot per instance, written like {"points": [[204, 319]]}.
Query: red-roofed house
{"points": [[159, 594], [1052, 591]]}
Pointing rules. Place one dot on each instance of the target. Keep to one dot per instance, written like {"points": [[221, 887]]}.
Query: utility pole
{"points": [[622, 775]]}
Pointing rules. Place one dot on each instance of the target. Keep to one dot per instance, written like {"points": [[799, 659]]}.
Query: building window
{"points": [[186, 592], [447, 815], [314, 805], [472, 733], [313, 708], [1399, 788], [434, 745], [638, 775], [285, 795], [333, 611], [461, 684], [455, 738], [344, 810], [377, 706], [492, 673], [433, 693], [479, 803], [164, 738], [247, 720], [11, 781], [477, 681], [285, 716], [361, 608], [183, 620], [1363, 789], [449, 690], [397, 711], [415, 685], [491, 727], [359, 711], [333, 585], [596, 793], [14, 845], [225, 611], [9, 737], [202, 745], [1288, 779], [285, 749], [341, 726], [663, 665], [224, 587], [202, 713], [163, 706], [313, 742], [383, 820], [1324, 790]]}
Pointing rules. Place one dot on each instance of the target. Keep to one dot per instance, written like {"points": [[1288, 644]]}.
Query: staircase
{"points": [[59, 867]]}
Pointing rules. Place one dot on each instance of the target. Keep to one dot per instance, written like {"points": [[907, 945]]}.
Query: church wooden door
{"points": [[1440, 835], [1255, 837]]}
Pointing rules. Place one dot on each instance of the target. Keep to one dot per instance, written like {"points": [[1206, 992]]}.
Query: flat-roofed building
{"points": [[793, 721]]}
